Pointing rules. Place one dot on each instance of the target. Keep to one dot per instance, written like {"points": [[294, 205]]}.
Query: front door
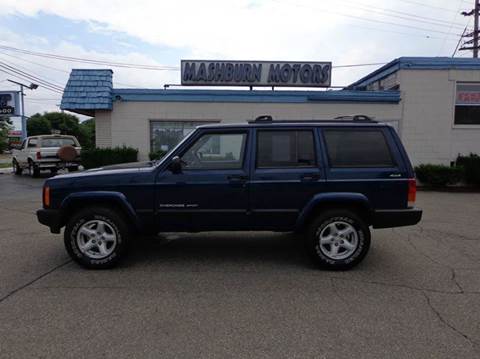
{"points": [[285, 176], [211, 190]]}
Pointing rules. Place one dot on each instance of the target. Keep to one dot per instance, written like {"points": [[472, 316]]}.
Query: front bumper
{"points": [[388, 218], [50, 218]]}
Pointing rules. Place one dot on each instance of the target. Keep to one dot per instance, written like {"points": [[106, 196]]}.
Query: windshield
{"points": [[157, 162], [58, 142]]}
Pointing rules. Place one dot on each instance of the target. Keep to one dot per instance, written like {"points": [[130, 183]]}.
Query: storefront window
{"points": [[467, 104], [164, 135]]}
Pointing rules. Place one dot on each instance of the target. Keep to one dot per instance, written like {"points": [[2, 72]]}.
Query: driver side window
{"points": [[216, 151]]}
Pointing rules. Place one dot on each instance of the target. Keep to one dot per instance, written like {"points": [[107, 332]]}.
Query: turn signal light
{"points": [[412, 192], [39, 155], [46, 196]]}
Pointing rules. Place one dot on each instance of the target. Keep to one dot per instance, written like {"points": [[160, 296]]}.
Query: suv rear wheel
{"points": [[16, 168], [33, 170], [96, 238], [338, 239]]}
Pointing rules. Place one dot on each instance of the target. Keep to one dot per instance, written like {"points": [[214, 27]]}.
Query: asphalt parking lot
{"points": [[242, 295]]}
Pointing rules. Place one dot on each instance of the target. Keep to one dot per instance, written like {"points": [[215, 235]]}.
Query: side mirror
{"points": [[176, 165]]}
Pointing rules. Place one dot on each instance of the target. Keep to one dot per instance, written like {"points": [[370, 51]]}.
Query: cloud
{"points": [[295, 30]]}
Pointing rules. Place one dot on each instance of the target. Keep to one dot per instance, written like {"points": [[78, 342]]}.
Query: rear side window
{"points": [[57, 142], [280, 149], [357, 148], [32, 142]]}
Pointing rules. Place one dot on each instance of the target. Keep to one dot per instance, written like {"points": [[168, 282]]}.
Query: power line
{"points": [[30, 77], [91, 61], [473, 44], [459, 41], [53, 82], [451, 26], [34, 63], [404, 15], [360, 65], [365, 19], [53, 68], [428, 5], [23, 77]]}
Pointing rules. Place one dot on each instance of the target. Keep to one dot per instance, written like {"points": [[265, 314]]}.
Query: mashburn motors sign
{"points": [[256, 73]]}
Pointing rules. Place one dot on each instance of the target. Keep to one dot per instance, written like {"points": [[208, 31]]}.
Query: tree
{"points": [[87, 130], [37, 125], [66, 124], [5, 126]]}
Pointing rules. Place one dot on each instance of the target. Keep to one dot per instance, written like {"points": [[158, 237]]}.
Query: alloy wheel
{"points": [[96, 239], [338, 240]]}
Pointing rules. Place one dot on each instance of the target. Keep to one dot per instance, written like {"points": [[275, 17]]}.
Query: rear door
{"points": [[366, 160], [286, 173]]}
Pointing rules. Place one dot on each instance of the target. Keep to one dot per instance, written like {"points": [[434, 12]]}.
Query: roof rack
{"points": [[347, 118], [356, 118], [262, 119]]}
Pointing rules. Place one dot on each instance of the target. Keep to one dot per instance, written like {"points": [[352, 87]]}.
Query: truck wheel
{"points": [[338, 240], [33, 170], [96, 238], [16, 168]]}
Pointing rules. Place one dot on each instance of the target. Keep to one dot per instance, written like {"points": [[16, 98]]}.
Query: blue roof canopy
{"points": [[254, 96], [88, 90], [417, 63]]}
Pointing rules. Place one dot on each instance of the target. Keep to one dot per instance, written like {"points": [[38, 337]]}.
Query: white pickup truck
{"points": [[46, 152]]}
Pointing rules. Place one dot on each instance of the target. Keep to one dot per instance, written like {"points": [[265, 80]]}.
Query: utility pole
{"points": [[32, 86], [475, 35]]}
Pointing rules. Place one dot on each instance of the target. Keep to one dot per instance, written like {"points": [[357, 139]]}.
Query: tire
{"points": [[91, 250], [16, 168], [33, 170], [72, 169], [53, 171], [338, 239]]}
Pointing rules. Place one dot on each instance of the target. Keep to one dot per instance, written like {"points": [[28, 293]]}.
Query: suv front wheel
{"points": [[96, 238], [338, 239]]}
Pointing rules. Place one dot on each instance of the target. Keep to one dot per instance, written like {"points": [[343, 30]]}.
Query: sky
{"points": [[161, 33]]}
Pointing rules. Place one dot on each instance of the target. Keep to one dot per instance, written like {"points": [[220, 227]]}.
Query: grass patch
{"points": [[5, 165]]}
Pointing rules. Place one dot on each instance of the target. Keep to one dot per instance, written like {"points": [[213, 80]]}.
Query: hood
{"points": [[121, 166]]}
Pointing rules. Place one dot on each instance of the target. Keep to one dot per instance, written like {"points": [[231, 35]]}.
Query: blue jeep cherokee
{"points": [[329, 180]]}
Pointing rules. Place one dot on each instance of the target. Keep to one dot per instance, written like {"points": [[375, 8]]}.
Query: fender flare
{"points": [[102, 196], [332, 198]]}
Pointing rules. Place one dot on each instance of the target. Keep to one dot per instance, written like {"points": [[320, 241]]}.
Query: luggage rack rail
{"points": [[346, 118]]}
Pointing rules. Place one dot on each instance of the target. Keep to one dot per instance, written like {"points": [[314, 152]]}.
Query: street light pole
{"points": [[23, 116]]}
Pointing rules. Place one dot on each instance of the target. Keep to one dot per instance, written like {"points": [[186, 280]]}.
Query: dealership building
{"points": [[432, 102]]}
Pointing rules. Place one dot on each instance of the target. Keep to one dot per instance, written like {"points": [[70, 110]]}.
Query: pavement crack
{"points": [[16, 290], [446, 323], [454, 279], [401, 286], [453, 276]]}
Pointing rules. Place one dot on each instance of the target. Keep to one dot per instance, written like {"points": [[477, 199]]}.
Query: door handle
{"points": [[237, 178], [310, 177]]}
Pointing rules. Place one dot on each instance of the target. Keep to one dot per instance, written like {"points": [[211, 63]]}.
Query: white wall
{"points": [[130, 121], [103, 128], [427, 130]]}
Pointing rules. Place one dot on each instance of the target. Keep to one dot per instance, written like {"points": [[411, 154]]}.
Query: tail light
{"points": [[46, 196], [39, 155], [412, 192]]}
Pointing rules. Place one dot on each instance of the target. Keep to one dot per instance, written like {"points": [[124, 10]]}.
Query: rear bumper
{"points": [[56, 164], [50, 218], [387, 218]]}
